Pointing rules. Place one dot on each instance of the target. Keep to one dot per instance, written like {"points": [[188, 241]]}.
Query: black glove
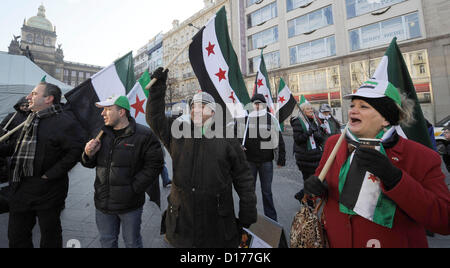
{"points": [[379, 165], [161, 75], [313, 186]]}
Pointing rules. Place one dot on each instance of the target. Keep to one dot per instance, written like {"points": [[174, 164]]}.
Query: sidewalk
{"points": [[78, 219]]}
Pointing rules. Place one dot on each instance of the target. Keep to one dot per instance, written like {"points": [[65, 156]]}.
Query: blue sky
{"points": [[97, 31]]}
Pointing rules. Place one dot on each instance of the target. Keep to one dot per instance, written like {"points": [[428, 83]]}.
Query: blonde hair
{"points": [[406, 111]]}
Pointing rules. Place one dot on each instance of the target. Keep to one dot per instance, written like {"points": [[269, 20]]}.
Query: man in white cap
{"points": [[128, 159], [328, 123], [200, 212]]}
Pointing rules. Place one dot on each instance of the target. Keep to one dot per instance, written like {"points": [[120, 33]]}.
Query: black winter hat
{"points": [[386, 107], [258, 98]]}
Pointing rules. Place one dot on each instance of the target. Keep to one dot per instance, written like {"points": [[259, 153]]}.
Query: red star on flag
{"points": [[210, 49], [138, 106], [282, 100], [373, 178], [232, 97], [221, 74], [260, 83]]}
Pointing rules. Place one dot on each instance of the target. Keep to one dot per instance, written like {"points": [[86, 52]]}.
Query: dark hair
{"points": [[127, 113], [52, 90]]}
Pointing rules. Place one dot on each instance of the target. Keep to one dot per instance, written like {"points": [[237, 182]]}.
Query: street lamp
{"points": [[192, 25]]}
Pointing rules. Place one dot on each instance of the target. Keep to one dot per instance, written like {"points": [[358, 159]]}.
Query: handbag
{"points": [[307, 230]]}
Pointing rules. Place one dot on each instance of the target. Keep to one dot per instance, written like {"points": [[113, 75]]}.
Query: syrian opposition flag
{"points": [[393, 69], [138, 97], [311, 143], [216, 65], [360, 191], [286, 102], [117, 79], [262, 84]]}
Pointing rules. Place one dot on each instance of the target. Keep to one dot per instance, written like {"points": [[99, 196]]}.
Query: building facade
{"points": [[324, 49], [38, 42], [155, 53], [141, 61]]}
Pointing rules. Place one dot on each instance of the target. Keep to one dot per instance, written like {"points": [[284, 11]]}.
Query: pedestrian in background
{"points": [[128, 159], [309, 139], [49, 146], [447, 152], [328, 123], [384, 194], [206, 168], [10, 122], [260, 159]]}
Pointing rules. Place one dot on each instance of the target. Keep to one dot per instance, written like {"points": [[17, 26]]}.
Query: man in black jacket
{"points": [[263, 137], [205, 168], [48, 147], [128, 159]]}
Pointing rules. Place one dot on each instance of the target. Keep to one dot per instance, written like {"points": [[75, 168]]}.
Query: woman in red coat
{"points": [[386, 195]]}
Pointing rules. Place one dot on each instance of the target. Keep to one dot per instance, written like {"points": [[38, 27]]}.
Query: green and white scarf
{"points": [[360, 191]]}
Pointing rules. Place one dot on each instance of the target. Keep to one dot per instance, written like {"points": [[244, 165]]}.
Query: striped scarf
{"points": [[23, 159], [360, 191]]}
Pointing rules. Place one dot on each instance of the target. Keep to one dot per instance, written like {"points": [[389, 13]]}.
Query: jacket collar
{"points": [[130, 130]]}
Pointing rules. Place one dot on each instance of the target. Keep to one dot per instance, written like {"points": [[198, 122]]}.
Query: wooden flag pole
{"points": [[170, 63], [332, 156], [7, 135]]}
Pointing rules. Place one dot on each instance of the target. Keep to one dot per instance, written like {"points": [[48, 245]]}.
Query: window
{"points": [[359, 7], [263, 38], [272, 61], [321, 48], [310, 22], [252, 2], [29, 38], [380, 33], [318, 85], [294, 4], [262, 15]]}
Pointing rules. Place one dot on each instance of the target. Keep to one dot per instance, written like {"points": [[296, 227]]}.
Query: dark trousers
{"points": [[21, 225], [265, 171]]}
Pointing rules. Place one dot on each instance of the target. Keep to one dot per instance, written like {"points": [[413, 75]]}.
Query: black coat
{"points": [[253, 147], [307, 160], [19, 118], [125, 167], [60, 142], [201, 208]]}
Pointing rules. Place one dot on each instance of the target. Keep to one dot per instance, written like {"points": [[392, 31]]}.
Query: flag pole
{"points": [[333, 154], [7, 135], [170, 63]]}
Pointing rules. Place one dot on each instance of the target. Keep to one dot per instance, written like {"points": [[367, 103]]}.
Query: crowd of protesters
{"points": [[128, 158]]}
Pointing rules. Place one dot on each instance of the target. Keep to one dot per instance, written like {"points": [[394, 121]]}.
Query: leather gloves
{"points": [[379, 165], [313, 186]]}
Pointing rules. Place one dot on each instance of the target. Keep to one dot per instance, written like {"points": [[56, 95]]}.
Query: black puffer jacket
{"points": [[201, 209], [307, 160], [253, 144], [126, 167], [60, 143]]}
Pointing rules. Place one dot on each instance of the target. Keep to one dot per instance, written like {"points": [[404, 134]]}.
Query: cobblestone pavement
{"points": [[78, 218]]}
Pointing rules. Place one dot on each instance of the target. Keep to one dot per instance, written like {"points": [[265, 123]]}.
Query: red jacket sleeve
{"points": [[422, 192]]}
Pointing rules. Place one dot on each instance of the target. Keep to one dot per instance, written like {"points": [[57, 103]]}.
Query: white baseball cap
{"points": [[120, 101], [375, 89]]}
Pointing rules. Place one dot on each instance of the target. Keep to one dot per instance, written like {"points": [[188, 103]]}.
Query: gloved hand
{"points": [[161, 75], [313, 186], [379, 165]]}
